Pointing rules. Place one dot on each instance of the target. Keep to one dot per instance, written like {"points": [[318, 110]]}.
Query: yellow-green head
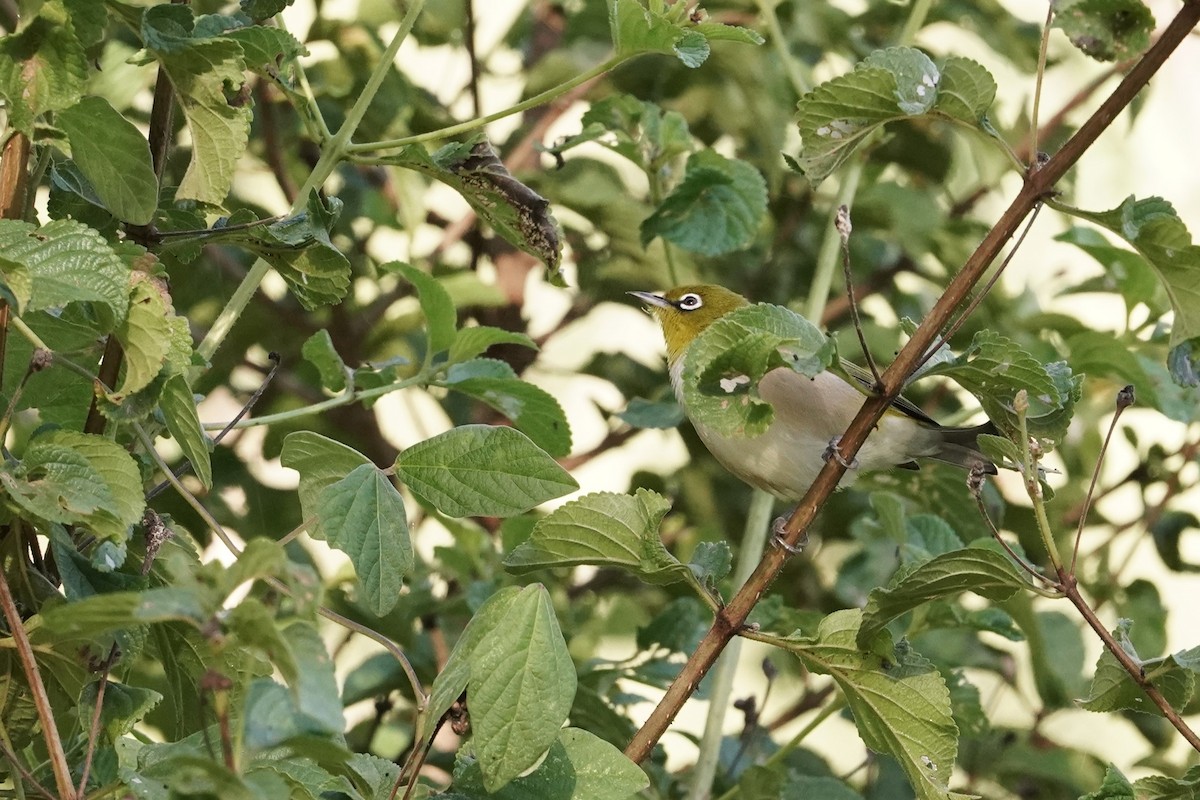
{"points": [[685, 311]]}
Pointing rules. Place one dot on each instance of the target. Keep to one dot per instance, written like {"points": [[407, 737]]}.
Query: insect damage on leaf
{"points": [[483, 171]]}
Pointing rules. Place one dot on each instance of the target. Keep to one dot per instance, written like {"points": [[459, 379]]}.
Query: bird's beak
{"points": [[651, 299]]}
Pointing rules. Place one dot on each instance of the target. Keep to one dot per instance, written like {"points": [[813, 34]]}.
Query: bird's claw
{"points": [[832, 452], [779, 537]]}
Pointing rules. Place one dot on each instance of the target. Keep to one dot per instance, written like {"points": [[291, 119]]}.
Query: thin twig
{"points": [[954, 327], [1041, 75], [182, 469], [975, 485], [25, 773], [1125, 398], [37, 690], [94, 731], [842, 222]]}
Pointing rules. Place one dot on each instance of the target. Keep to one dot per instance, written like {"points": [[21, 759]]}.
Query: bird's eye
{"points": [[690, 302]]}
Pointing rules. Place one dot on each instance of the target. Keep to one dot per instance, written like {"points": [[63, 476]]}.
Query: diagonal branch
{"points": [[1038, 184]]}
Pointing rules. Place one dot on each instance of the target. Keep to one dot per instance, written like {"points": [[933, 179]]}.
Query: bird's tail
{"points": [[960, 447]]}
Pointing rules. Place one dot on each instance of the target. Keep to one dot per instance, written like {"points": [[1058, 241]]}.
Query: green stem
{"points": [[1032, 487], [800, 83], [344, 399], [829, 254], [1037, 89], [36, 341], [917, 14], [754, 541], [672, 269], [27, 332], [479, 122], [332, 155]]}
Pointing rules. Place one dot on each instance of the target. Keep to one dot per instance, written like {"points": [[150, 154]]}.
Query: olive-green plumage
{"points": [[810, 413]]}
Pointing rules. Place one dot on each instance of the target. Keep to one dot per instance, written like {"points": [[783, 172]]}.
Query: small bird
{"points": [[810, 413]]}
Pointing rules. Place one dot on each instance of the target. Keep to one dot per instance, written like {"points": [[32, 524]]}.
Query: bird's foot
{"points": [[832, 452], [779, 537]]}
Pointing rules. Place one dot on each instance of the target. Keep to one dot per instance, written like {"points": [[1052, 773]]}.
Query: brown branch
{"points": [[94, 731], [14, 187], [1038, 184], [110, 370], [25, 773], [161, 113], [1071, 589], [37, 689]]}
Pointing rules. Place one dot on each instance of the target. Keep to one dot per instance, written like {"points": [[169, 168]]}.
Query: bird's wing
{"points": [[864, 381]]}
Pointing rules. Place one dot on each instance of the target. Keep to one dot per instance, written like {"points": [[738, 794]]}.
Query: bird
{"points": [[810, 414]]}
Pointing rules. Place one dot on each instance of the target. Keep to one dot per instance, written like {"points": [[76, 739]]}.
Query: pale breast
{"points": [[809, 413]]}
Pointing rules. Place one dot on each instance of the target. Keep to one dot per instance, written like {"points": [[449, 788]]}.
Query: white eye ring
{"points": [[690, 302]]}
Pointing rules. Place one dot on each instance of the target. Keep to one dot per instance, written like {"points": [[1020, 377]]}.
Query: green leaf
{"points": [[578, 766], [479, 470], [643, 413], [363, 516], [1140, 602], [1115, 787], [268, 51], [252, 625], [1113, 688], [43, 67], [520, 215], [202, 72], [900, 703], [1155, 231], [115, 158], [318, 350], [441, 317], [1161, 787], [83, 480], [601, 529], [321, 462], [474, 341], [178, 406], [984, 572], [66, 263], [636, 129], [717, 207], [124, 706], [724, 364], [532, 410], [316, 686], [454, 677], [299, 249], [1184, 363], [661, 29], [965, 91], [521, 688], [1106, 30], [899, 83], [145, 336], [99, 614], [56, 483], [262, 9], [995, 369]]}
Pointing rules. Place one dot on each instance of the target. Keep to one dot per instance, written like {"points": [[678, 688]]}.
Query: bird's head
{"points": [[685, 311]]}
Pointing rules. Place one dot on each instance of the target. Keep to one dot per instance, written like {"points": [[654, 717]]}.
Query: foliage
{"points": [[218, 205]]}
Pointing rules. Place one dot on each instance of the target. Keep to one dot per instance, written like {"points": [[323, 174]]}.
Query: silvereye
{"points": [[809, 413]]}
